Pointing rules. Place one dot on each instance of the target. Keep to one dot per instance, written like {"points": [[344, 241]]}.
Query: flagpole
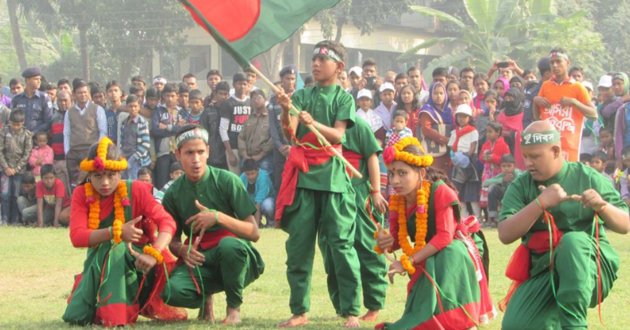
{"points": [[246, 64]]}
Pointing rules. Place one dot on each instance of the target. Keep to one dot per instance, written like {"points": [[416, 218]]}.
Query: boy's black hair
{"points": [[133, 98], [15, 81], [151, 92], [113, 83], [507, 159], [495, 126], [439, 72], [336, 46], [28, 178], [249, 165], [400, 113], [213, 72], [188, 75], [466, 69], [49, 87], [600, 155], [195, 94], [413, 68], [401, 75], [585, 157], [222, 86], [138, 78], [257, 92], [576, 69], [45, 169], [183, 88], [17, 116], [144, 171], [489, 93], [176, 166], [368, 62], [39, 133], [63, 81], [78, 83], [134, 89], [170, 88], [95, 88]]}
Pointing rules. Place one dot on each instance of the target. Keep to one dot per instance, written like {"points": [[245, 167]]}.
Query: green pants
{"points": [[373, 267], [229, 267], [533, 305], [331, 216]]}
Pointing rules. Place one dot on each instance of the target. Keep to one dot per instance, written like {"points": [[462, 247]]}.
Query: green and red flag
{"points": [[246, 28]]}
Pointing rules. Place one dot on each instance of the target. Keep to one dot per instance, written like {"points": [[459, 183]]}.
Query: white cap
{"points": [[465, 109], [386, 86], [588, 85], [364, 93], [605, 81], [356, 70]]}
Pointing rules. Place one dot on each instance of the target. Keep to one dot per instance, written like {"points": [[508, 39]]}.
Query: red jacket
{"points": [[497, 151]]}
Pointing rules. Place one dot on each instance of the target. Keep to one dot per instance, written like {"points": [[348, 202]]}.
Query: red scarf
{"points": [[353, 158], [299, 159], [459, 132]]}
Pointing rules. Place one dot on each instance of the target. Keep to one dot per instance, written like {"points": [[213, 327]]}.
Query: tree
{"points": [[523, 30], [37, 10], [363, 14]]}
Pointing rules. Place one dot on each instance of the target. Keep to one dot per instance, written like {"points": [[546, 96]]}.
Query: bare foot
{"points": [[370, 316], [208, 310], [233, 316], [294, 321], [352, 322]]}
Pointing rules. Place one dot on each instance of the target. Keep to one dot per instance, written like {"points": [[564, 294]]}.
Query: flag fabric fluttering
{"points": [[247, 28]]}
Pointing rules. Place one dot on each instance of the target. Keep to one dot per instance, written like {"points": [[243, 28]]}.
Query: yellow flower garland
{"points": [[100, 162], [397, 203], [397, 153]]}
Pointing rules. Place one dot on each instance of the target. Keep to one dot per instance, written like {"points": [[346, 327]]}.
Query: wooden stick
{"points": [[312, 128]]}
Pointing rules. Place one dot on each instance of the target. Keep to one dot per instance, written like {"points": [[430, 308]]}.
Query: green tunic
{"points": [[575, 271], [326, 105], [234, 262], [324, 207], [361, 140]]}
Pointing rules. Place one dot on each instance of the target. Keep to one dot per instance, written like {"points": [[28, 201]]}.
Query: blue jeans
{"points": [[133, 165], [10, 186], [268, 209]]}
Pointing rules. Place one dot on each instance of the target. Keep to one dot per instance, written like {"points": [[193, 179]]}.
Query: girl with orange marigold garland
{"points": [[126, 236], [448, 288]]}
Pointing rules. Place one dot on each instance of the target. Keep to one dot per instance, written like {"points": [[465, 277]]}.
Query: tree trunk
{"points": [[340, 24], [18, 42], [85, 58]]}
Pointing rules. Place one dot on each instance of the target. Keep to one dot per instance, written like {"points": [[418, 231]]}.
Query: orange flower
{"points": [[148, 249], [422, 218], [102, 163], [94, 200], [407, 264]]}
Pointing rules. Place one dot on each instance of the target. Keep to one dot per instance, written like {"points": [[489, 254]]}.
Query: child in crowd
{"points": [[144, 175], [399, 128], [585, 159], [624, 179], [463, 143], [260, 190], [26, 201], [41, 154], [607, 145], [174, 172], [491, 154], [407, 101], [364, 100], [183, 96], [497, 185], [16, 143], [598, 162], [386, 108], [195, 102], [53, 204], [135, 140], [491, 102]]}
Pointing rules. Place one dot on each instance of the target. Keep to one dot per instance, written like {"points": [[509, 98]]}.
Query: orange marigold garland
{"points": [[149, 250], [396, 152], [100, 162]]}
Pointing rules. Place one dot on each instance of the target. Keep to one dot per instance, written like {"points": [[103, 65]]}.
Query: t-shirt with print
{"points": [[237, 112], [50, 196]]}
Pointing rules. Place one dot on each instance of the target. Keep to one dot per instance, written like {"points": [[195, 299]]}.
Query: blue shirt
{"points": [[263, 188], [36, 110]]}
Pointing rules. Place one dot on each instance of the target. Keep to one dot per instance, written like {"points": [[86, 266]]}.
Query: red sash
{"points": [[520, 263], [211, 239], [299, 159], [459, 132], [353, 158]]}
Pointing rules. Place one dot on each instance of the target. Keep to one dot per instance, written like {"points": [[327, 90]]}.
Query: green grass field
{"points": [[37, 268]]}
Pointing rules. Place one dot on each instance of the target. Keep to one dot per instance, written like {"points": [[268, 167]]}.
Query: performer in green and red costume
{"points": [[560, 210], [212, 208], [448, 287], [127, 233], [315, 197], [361, 149]]}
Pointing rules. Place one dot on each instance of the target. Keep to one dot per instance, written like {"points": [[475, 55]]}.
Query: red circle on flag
{"points": [[233, 19]]}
